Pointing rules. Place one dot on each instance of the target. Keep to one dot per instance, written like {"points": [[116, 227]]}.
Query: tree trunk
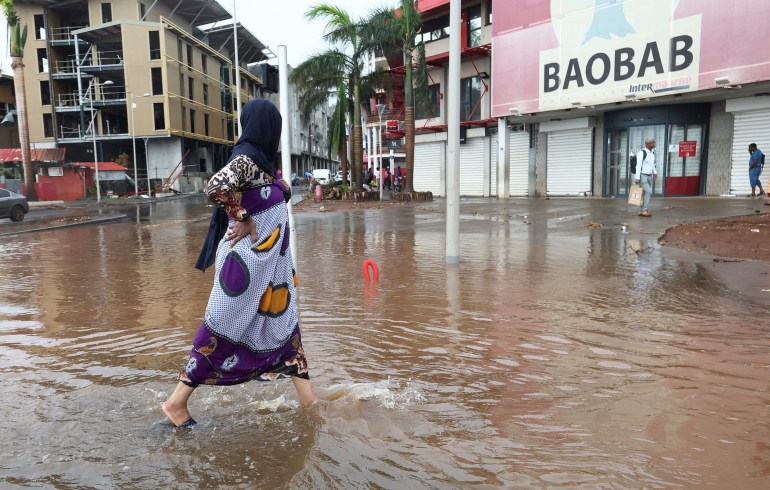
{"points": [[21, 113], [409, 153], [357, 144], [409, 122], [344, 158]]}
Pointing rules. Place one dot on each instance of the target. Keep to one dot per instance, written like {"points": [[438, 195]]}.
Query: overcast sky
{"points": [[283, 22], [274, 22]]}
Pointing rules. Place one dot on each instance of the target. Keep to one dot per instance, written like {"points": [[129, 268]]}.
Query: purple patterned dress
{"points": [[251, 326]]}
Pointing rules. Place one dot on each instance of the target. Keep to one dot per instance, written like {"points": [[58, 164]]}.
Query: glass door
{"points": [[616, 172], [685, 154]]}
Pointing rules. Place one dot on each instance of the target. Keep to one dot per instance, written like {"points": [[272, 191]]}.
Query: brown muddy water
{"points": [[553, 356]]}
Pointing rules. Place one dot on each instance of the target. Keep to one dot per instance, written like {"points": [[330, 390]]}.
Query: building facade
{"points": [[575, 88], [310, 138], [155, 76]]}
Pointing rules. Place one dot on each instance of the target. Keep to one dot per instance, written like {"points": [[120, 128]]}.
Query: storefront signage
{"points": [[555, 55], [687, 148]]}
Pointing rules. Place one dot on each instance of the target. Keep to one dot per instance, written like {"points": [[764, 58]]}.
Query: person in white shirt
{"points": [[647, 173]]}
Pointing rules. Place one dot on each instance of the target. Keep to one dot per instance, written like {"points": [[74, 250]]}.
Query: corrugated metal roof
{"points": [[37, 154], [103, 166]]}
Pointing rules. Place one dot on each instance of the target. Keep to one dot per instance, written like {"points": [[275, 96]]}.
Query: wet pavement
{"points": [[558, 354]]}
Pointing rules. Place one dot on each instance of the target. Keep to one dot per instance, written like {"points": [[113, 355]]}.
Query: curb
{"points": [[109, 219]]}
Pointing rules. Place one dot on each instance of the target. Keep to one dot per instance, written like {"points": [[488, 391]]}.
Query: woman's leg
{"points": [[304, 390], [175, 407]]}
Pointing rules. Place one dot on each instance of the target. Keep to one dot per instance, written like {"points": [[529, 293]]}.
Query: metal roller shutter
{"points": [[519, 161], [493, 166], [428, 159], [472, 167], [569, 160], [749, 127]]}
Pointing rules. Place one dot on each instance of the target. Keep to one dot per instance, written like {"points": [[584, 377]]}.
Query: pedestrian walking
{"points": [[251, 325], [647, 173], [756, 163]]}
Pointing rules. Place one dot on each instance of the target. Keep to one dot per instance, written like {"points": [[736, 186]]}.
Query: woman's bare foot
{"points": [[305, 392], [175, 408]]}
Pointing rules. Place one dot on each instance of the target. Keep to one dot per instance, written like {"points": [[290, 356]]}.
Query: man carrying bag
{"points": [[646, 173]]}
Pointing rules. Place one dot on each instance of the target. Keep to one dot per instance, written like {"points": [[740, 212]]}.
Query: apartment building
{"points": [[156, 75], [478, 128], [309, 142]]}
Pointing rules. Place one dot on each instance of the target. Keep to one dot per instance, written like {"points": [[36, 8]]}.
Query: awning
{"points": [[103, 166], [250, 49], [46, 155]]}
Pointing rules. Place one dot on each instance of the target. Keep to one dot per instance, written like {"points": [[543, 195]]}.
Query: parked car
{"points": [[321, 175], [13, 205], [338, 177]]}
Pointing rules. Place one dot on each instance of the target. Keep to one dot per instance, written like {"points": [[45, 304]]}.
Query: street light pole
{"points": [[96, 159], [92, 88], [147, 159], [380, 108], [133, 144]]}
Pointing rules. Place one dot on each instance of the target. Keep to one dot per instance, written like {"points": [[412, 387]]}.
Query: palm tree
{"points": [[318, 80], [18, 40], [397, 30], [340, 65]]}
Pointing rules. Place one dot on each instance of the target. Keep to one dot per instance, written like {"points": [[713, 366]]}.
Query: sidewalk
{"points": [[49, 215]]}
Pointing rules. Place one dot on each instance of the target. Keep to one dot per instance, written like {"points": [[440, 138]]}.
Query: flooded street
{"points": [[554, 356]]}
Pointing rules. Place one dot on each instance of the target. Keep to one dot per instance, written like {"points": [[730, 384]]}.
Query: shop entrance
{"points": [[680, 137]]}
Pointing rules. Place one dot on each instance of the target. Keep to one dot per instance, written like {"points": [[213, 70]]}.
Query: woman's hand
{"points": [[241, 229]]}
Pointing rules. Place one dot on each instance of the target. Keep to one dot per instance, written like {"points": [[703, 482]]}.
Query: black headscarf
{"points": [[260, 135]]}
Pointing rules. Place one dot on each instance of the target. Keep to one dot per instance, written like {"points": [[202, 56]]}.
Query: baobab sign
{"points": [[588, 52]]}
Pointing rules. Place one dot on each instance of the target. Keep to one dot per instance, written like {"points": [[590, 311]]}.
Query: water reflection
{"points": [[551, 356]]}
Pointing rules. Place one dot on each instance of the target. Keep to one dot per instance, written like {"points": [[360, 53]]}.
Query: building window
{"points": [[434, 29], [181, 85], [179, 49], [143, 12], [189, 56], [42, 60], [156, 74], [204, 63], [205, 94], [191, 87], [470, 95], [48, 125], [435, 110], [489, 12], [192, 121], [154, 45], [45, 92], [474, 26], [106, 13], [159, 114], [39, 27], [206, 125]]}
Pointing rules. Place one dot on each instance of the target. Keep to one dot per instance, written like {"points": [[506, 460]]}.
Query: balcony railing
{"points": [[108, 58], [105, 95], [77, 133], [63, 33]]}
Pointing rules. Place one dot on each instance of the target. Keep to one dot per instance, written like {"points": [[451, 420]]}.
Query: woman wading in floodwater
{"points": [[251, 326]]}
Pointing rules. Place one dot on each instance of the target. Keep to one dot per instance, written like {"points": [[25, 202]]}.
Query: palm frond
{"points": [[9, 10], [335, 16]]}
